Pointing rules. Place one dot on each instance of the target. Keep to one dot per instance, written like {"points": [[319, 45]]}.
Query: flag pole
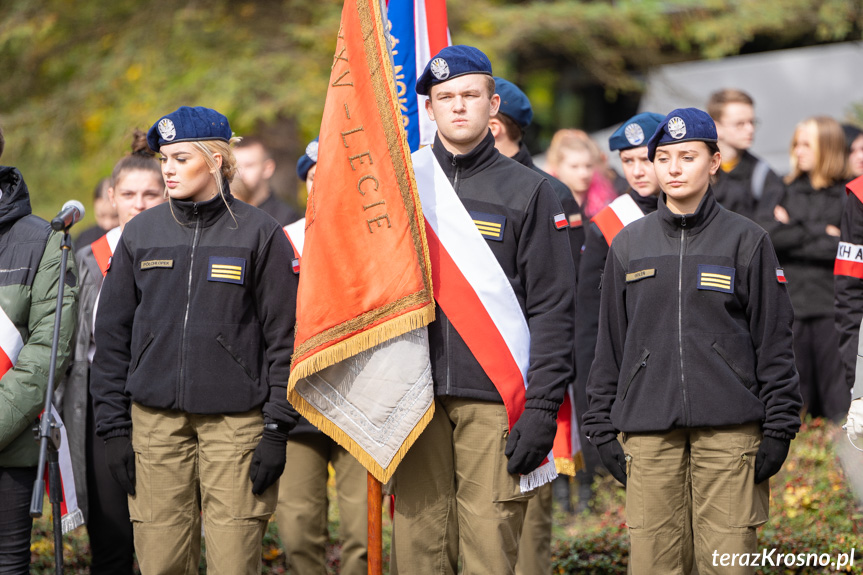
{"points": [[375, 557]]}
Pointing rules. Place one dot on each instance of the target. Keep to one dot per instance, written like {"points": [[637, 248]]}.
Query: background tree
{"points": [[78, 77]]}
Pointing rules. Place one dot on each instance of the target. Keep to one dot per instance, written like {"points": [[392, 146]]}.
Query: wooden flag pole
{"points": [[375, 513]]}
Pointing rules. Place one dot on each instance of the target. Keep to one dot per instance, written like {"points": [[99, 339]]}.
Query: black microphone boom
{"points": [[69, 215]]}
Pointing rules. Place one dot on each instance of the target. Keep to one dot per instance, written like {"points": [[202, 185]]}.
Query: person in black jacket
{"points": [[507, 127], [631, 141], [458, 491], [255, 168], [854, 149], [194, 337], [745, 183], [806, 234], [303, 509], [694, 365]]}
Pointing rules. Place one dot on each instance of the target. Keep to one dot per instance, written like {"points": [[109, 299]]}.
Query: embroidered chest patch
{"points": [[716, 278], [491, 226], [229, 270], [150, 264], [640, 275]]}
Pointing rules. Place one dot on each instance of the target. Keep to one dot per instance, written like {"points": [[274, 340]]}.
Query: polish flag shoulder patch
{"points": [[780, 276], [575, 220], [560, 221], [295, 265]]}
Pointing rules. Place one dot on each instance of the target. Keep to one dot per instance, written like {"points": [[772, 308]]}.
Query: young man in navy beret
{"points": [[693, 395], [459, 491]]}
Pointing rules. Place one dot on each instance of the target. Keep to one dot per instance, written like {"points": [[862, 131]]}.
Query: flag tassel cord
{"points": [[361, 342], [342, 351]]}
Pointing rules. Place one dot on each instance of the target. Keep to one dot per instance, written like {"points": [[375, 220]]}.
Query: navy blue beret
{"points": [[682, 125], [513, 102], [635, 132], [188, 125], [452, 62], [308, 159]]}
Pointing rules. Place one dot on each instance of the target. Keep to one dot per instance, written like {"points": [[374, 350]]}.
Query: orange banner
{"points": [[365, 275]]}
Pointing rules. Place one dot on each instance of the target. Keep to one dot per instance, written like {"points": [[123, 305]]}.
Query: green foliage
{"points": [[80, 76], [812, 510]]}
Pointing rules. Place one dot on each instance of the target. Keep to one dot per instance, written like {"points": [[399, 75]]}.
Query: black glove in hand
{"points": [[771, 455], [613, 458], [530, 440], [268, 461], [121, 461]]}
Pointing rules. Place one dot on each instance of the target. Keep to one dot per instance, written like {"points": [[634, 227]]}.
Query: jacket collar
{"points": [[646, 203], [207, 212], [15, 201], [523, 156], [475, 161], [693, 223]]}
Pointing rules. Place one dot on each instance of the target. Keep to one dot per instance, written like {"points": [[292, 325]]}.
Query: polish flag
{"points": [[419, 29]]}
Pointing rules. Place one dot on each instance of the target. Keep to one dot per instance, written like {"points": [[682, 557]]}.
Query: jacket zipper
{"points": [[680, 317], [447, 325], [188, 304]]}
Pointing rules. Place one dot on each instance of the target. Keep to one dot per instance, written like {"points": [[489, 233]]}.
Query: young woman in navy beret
{"points": [[194, 337], [693, 394]]}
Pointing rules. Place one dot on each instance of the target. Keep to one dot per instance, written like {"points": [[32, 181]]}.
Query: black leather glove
{"points": [[530, 440], [268, 461], [771, 455], [613, 458], [121, 461]]}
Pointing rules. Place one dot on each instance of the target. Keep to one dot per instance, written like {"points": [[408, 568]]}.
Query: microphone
{"points": [[69, 215]]}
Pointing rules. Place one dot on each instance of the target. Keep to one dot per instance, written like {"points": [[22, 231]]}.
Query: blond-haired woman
{"points": [[806, 237], [576, 160], [193, 344]]}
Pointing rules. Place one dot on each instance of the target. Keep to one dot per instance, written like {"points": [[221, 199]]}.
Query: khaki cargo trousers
{"points": [[185, 464], [534, 547], [691, 492], [303, 504], [454, 497]]}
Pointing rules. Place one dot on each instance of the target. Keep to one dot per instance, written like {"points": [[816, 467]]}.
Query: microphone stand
{"points": [[48, 433]]}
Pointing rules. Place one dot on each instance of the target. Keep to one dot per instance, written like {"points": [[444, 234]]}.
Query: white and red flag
{"points": [[419, 31], [11, 344]]}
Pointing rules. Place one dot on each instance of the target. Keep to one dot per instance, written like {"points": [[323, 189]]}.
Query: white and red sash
{"points": [[11, 344], [849, 257], [296, 233], [476, 295], [849, 260], [617, 215], [104, 247]]}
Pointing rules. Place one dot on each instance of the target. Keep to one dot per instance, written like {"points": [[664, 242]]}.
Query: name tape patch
{"points": [[149, 264], [716, 278], [491, 226], [640, 275], [228, 270]]}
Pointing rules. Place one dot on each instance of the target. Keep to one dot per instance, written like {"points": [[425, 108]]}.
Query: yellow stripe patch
{"points": [[227, 269], [716, 278]]}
